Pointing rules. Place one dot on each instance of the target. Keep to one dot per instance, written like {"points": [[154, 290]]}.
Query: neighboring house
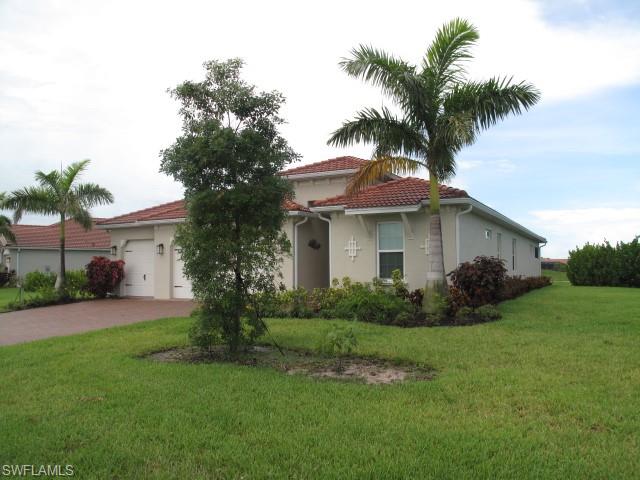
{"points": [[367, 235], [37, 247]]}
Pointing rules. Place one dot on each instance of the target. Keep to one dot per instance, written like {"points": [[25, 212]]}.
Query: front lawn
{"points": [[7, 295], [549, 391]]}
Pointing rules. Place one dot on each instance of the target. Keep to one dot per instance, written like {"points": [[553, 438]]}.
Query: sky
{"points": [[89, 79]]}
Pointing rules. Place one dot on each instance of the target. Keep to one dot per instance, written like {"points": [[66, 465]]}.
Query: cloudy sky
{"points": [[88, 79]]}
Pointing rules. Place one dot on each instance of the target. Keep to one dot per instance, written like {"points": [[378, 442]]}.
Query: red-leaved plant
{"points": [[479, 282], [104, 275]]}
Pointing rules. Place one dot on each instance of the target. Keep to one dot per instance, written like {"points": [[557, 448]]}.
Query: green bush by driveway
{"points": [[549, 391]]}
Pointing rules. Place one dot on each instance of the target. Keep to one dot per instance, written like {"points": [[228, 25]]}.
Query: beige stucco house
{"points": [[363, 236]]}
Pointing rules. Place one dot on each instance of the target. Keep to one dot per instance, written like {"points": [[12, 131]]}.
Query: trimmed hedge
{"points": [[605, 265]]}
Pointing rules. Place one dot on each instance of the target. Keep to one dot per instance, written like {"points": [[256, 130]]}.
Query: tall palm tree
{"points": [[440, 112], [5, 223], [58, 193]]}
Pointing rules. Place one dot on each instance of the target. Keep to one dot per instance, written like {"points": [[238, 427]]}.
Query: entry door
{"points": [[181, 284], [138, 268]]}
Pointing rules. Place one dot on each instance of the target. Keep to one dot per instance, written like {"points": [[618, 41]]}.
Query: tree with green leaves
{"points": [[440, 111], [228, 159], [59, 193], [5, 222]]}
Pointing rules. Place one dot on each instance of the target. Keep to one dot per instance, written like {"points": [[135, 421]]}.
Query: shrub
{"points": [[605, 264], [516, 286], [366, 305], [104, 275], [76, 283], [43, 297], [480, 281], [34, 281]]}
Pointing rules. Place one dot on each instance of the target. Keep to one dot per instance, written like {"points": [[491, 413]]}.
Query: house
{"points": [[367, 235], [37, 247]]}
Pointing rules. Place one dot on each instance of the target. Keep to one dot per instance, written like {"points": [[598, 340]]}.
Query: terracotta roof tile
{"points": [[394, 193], [331, 165], [173, 211], [48, 236]]}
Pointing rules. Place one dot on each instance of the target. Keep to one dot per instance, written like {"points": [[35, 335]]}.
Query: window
{"points": [[390, 248], [513, 254], [536, 252], [488, 234], [499, 240]]}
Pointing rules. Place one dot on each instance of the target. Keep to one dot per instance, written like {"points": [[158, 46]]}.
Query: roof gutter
{"points": [[142, 223]]}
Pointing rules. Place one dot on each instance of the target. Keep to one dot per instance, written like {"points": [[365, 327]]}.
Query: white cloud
{"points": [[568, 228], [88, 78]]}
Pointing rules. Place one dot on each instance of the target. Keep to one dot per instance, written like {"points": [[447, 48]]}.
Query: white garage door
{"points": [[181, 284], [138, 268]]}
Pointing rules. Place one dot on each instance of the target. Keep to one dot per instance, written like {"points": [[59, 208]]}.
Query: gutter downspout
{"points": [[328, 220], [295, 251], [18, 263], [458, 215]]}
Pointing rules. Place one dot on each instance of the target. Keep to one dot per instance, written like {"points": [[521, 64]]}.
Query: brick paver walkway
{"points": [[59, 320]]}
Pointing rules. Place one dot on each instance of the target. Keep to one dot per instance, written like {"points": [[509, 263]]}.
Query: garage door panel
{"points": [[139, 268], [181, 284]]}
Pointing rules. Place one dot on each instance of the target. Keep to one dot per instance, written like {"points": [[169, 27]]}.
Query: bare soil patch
{"points": [[367, 370]]}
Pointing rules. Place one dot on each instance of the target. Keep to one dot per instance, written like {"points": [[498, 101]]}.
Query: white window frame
{"points": [[378, 251], [488, 234]]}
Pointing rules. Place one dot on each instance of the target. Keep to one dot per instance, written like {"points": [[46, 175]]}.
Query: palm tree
{"points": [[440, 112], [58, 193], [5, 223]]}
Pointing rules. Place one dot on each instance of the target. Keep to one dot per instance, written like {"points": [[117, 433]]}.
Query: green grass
{"points": [[556, 276], [549, 391], [7, 295]]}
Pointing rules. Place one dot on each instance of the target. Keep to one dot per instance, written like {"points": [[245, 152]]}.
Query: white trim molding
{"points": [[379, 210]]}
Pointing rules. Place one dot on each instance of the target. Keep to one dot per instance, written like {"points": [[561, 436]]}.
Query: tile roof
{"points": [[394, 193], [48, 236], [331, 165], [174, 211]]}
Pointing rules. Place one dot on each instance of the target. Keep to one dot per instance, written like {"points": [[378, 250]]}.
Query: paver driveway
{"points": [[37, 323]]}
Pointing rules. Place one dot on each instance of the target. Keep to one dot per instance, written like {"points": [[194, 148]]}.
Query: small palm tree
{"points": [[58, 193], [441, 111], [5, 223]]}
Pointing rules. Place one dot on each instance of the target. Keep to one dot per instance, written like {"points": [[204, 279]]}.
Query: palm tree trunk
{"points": [[60, 281], [436, 285]]}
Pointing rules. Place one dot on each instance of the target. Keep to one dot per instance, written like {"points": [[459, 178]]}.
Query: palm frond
{"points": [[40, 200], [490, 101], [391, 135], [82, 216], [5, 229], [49, 180], [72, 172], [89, 195], [451, 48], [376, 169], [391, 74]]}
